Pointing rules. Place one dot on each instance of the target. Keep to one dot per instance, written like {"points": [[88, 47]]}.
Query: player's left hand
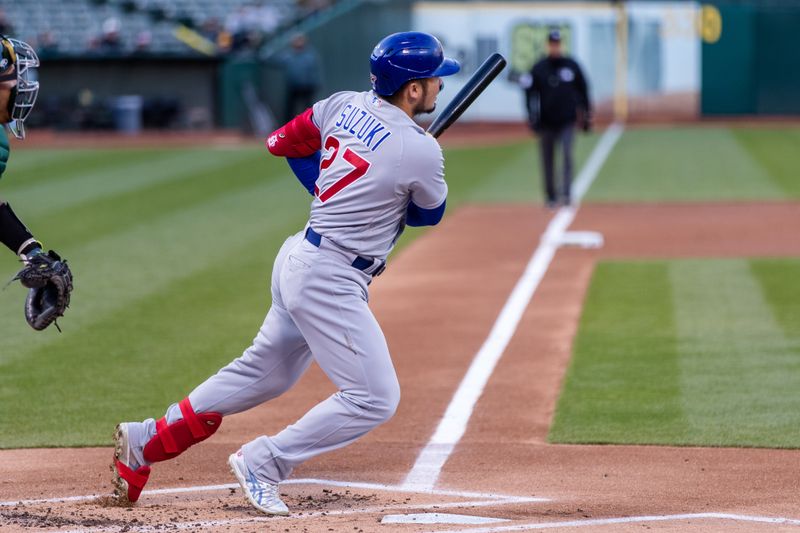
{"points": [[49, 281]]}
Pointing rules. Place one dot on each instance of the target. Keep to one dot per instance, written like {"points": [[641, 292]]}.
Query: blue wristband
{"points": [[417, 216]]}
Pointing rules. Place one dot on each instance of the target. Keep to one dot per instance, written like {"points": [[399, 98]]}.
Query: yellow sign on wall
{"points": [[709, 24], [529, 44]]}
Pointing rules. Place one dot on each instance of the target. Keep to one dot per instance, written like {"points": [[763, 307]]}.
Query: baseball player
{"points": [[47, 277], [371, 170]]}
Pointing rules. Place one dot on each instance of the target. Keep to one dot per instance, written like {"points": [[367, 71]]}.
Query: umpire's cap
{"points": [[410, 55]]}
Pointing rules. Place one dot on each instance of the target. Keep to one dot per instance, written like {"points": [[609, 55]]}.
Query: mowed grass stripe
{"points": [[136, 364], [479, 171], [739, 372], [686, 352], [508, 173], [623, 383], [776, 150], [124, 177], [72, 226], [151, 201], [30, 168], [782, 297], [122, 267], [27, 165], [683, 164]]}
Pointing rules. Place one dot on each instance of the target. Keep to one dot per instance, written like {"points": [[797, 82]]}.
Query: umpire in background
{"points": [[557, 96], [303, 70]]}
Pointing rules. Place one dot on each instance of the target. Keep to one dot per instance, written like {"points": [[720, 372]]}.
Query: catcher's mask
{"points": [[19, 62]]}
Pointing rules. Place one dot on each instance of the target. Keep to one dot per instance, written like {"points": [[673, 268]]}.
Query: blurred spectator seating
{"points": [[73, 27]]}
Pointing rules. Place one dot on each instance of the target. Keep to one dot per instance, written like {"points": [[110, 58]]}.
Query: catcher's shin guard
{"points": [[171, 440]]}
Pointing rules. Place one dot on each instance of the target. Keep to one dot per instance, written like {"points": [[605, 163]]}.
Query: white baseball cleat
{"points": [[264, 496]]}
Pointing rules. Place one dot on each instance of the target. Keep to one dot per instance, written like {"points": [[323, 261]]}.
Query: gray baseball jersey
{"points": [[375, 160]]}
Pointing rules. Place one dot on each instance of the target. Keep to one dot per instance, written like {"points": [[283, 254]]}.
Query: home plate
{"points": [[438, 518], [582, 239]]}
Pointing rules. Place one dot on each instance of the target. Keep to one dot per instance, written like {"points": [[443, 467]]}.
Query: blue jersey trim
{"points": [[306, 169], [417, 216]]}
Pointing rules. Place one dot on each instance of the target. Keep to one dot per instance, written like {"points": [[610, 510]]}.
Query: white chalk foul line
{"points": [[479, 499], [204, 524], [430, 461], [307, 481], [626, 520], [440, 518]]}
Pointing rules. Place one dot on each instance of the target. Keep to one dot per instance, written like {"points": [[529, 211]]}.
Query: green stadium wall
{"points": [[753, 68]]}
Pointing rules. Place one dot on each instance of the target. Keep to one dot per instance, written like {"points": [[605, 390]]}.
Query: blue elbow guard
{"points": [[417, 216], [306, 169]]}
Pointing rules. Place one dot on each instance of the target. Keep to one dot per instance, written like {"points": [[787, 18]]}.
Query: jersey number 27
{"points": [[360, 167]]}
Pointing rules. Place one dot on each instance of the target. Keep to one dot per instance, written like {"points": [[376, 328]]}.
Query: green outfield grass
{"points": [[701, 164], [172, 250], [701, 352], [686, 352]]}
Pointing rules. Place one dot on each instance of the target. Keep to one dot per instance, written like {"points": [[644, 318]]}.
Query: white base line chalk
{"points": [[307, 481], [439, 518], [627, 520], [430, 461]]}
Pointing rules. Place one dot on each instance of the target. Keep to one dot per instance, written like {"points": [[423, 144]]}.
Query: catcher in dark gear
{"points": [[46, 275]]}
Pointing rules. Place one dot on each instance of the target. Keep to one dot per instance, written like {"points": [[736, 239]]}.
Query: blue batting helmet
{"points": [[410, 55]]}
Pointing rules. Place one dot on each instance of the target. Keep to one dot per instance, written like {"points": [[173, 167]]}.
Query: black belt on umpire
{"points": [[371, 267]]}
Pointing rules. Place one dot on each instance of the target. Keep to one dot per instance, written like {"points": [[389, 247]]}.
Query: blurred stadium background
{"points": [[211, 64]]}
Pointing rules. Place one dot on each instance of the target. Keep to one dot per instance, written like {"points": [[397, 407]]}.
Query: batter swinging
{"points": [[371, 170]]}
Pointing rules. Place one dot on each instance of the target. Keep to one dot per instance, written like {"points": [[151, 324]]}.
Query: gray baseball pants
{"points": [[319, 311], [548, 139]]}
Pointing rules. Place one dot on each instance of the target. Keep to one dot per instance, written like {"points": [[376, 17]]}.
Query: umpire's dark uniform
{"points": [[555, 91]]}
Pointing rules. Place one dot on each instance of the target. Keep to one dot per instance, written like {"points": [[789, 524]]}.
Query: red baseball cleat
{"points": [[129, 477]]}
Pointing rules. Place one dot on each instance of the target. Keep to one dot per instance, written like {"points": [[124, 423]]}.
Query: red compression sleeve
{"points": [[299, 137]]}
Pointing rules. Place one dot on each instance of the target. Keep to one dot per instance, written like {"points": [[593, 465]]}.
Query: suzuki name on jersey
{"points": [[363, 125]]}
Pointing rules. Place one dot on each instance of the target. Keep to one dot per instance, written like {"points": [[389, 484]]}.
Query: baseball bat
{"points": [[487, 72]]}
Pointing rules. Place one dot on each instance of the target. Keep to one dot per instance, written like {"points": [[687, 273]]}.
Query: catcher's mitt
{"points": [[49, 281]]}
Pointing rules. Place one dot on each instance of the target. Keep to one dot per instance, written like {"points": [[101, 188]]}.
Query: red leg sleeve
{"points": [[171, 440]]}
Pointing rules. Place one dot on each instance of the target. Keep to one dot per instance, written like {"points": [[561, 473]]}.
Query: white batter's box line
{"points": [[440, 518], [502, 498], [777, 520], [204, 524], [197, 525]]}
